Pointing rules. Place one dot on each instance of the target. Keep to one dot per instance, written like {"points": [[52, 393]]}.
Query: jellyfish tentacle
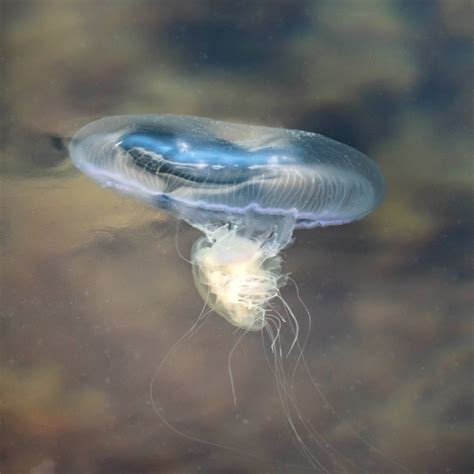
{"points": [[229, 364], [196, 326], [288, 405], [291, 408], [308, 331], [296, 328], [301, 359], [176, 245]]}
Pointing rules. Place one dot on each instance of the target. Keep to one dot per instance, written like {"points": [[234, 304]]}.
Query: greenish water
{"points": [[94, 293]]}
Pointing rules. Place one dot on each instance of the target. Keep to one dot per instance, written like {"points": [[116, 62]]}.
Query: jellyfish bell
{"points": [[245, 187], [208, 171]]}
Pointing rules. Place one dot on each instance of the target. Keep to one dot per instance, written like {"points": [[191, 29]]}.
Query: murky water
{"points": [[94, 293]]}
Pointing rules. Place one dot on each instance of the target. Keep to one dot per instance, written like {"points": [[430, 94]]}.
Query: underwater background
{"points": [[94, 294]]}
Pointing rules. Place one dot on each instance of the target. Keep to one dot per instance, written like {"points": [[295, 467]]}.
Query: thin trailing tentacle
{"points": [[229, 363], [289, 402], [301, 359], [176, 244]]}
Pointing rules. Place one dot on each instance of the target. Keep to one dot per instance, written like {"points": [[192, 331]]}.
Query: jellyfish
{"points": [[246, 188]]}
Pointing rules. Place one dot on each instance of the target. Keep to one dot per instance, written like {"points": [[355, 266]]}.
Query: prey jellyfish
{"points": [[246, 188]]}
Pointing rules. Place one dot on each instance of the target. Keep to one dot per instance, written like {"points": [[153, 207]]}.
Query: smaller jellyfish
{"points": [[247, 188]]}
